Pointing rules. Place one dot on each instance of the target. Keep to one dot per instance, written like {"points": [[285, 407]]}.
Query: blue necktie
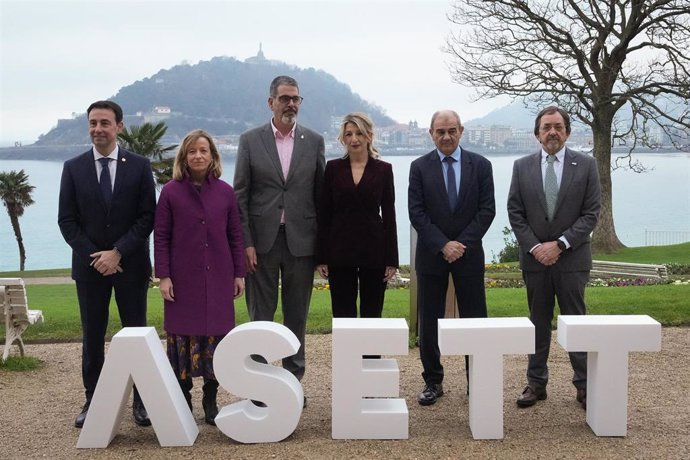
{"points": [[451, 186], [104, 180]]}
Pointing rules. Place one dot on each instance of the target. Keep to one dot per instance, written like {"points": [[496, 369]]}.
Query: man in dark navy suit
{"points": [[106, 211], [451, 205]]}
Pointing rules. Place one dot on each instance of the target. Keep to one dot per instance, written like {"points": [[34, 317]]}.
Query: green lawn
{"points": [[672, 254], [669, 304]]}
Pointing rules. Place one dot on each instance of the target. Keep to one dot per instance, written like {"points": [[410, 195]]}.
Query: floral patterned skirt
{"points": [[192, 355]]}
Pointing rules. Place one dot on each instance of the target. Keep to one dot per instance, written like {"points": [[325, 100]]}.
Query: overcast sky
{"points": [[58, 56]]}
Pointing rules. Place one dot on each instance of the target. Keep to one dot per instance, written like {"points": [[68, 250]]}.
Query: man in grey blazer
{"points": [[278, 176], [553, 207]]}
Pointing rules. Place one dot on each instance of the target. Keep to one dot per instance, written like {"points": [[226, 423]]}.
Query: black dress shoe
{"points": [[258, 403], [304, 404], [79, 422], [582, 397], [431, 392], [141, 417], [530, 395]]}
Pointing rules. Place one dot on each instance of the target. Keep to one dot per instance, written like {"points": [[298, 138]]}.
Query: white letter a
{"points": [[136, 355]]}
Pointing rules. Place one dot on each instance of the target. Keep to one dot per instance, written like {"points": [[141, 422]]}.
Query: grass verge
{"points": [[668, 304], [20, 364]]}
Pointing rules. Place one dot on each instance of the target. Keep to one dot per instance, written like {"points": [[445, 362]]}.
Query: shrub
{"points": [[678, 269], [511, 251]]}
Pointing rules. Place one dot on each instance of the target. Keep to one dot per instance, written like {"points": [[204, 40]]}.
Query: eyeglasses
{"points": [[297, 100]]}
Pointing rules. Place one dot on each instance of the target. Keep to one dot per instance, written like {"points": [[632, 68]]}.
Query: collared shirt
{"points": [[456, 167], [112, 165], [557, 165], [558, 169], [285, 144]]}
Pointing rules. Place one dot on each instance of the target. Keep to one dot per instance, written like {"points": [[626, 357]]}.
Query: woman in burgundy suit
{"points": [[357, 235], [199, 258]]}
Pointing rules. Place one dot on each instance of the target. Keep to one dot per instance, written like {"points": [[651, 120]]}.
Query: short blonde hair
{"points": [[365, 125], [180, 165]]}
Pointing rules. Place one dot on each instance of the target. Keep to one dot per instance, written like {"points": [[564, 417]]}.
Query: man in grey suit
{"points": [[278, 177], [553, 207]]}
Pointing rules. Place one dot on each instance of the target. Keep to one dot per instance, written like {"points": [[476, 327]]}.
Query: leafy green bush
{"points": [[678, 269], [511, 251]]}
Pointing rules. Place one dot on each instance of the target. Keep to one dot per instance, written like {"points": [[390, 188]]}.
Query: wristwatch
{"points": [[561, 245]]}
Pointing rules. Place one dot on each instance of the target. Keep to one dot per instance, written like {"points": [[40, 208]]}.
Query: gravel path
{"points": [[39, 407]]}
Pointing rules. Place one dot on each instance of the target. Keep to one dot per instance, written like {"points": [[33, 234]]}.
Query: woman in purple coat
{"points": [[199, 258]]}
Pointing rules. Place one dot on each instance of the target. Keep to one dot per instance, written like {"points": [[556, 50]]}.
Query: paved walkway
{"points": [[49, 280]]}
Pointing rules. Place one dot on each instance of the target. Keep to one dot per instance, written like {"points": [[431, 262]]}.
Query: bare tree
{"points": [[591, 57]]}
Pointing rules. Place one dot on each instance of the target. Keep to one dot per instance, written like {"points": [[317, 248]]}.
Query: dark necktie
{"points": [[451, 186], [104, 180], [550, 186]]}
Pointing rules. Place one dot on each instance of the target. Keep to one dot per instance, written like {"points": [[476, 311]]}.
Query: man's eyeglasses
{"points": [[297, 100]]}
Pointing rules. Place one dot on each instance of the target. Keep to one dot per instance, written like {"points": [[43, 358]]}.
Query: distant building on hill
{"points": [[260, 59]]}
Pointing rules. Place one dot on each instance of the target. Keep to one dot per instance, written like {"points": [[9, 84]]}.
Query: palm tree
{"points": [[146, 140], [15, 193]]}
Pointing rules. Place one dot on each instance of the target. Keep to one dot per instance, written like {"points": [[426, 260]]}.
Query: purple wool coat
{"points": [[198, 243]]}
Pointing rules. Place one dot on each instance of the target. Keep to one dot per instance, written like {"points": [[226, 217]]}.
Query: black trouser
{"points": [[94, 308], [431, 306], [346, 282]]}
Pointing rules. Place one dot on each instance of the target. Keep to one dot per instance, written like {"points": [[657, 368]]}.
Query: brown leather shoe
{"points": [[582, 397], [530, 395]]}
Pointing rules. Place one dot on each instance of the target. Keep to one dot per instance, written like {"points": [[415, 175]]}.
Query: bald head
{"points": [[445, 113], [446, 131]]}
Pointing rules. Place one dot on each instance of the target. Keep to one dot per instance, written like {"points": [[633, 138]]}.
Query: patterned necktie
{"points": [[104, 180], [451, 186], [550, 186]]}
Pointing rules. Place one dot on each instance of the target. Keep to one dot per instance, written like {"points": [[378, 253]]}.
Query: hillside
{"points": [[224, 96]]}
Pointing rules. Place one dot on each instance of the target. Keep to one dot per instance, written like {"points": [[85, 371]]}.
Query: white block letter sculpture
{"points": [[238, 373], [355, 378], [136, 355], [608, 339], [486, 340]]}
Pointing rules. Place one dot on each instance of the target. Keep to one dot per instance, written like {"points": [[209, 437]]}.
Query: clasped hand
{"points": [[547, 253], [452, 251], [107, 262]]}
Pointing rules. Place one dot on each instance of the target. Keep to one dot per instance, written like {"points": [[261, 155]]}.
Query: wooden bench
{"points": [[17, 314], [625, 269]]}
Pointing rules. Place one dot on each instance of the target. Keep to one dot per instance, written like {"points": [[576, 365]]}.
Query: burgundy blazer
{"points": [[356, 223], [198, 243]]}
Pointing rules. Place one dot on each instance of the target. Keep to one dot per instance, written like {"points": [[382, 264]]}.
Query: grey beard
{"points": [[288, 118]]}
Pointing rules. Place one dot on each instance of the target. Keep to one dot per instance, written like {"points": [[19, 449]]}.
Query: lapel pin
{"points": [[573, 163], [124, 159], [301, 136]]}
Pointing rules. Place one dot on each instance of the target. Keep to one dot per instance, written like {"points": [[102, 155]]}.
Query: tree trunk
{"points": [[604, 238], [20, 242]]}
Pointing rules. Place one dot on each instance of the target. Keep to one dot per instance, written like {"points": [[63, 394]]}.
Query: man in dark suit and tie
{"points": [[278, 177], [553, 207], [106, 211], [451, 206]]}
